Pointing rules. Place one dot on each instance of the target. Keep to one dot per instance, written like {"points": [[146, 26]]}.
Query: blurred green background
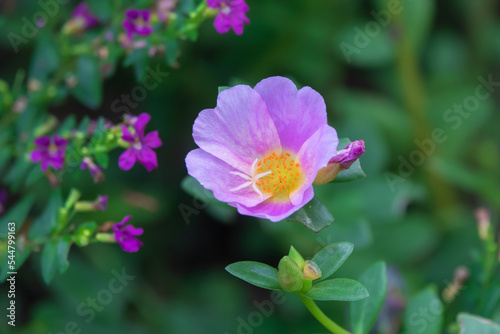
{"points": [[400, 82]]}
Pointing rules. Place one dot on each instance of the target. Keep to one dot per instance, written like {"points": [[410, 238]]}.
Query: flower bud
{"points": [[84, 232], [295, 255], [483, 223], [342, 160], [289, 275], [311, 270]]}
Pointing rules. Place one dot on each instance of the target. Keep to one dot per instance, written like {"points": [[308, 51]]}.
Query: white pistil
{"points": [[251, 180]]}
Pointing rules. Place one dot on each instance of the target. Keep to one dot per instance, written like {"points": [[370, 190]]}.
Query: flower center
{"points": [[286, 175], [137, 145], [52, 148], [225, 9]]}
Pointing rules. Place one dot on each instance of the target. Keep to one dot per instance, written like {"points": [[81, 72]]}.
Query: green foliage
{"points": [[471, 324], [55, 257], [340, 289], [424, 313], [330, 258], [363, 313], [258, 274], [314, 215]]}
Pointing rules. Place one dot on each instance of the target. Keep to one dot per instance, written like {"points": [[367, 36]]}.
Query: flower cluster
{"points": [[126, 235], [231, 15]]}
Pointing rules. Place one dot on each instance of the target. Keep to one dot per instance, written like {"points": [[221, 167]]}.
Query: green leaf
{"points": [[20, 257], [417, 18], [171, 51], [102, 159], [341, 289], [223, 88], [314, 215], [139, 59], [102, 9], [354, 172], [17, 214], [424, 313], [68, 124], [44, 224], [472, 324], [256, 273], [55, 257], [88, 89], [45, 59], [34, 175], [364, 312], [17, 173], [330, 258]]}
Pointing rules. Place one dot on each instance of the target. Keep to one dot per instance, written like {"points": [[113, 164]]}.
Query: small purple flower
{"points": [[137, 22], [142, 145], [95, 170], [232, 14], [348, 155], [126, 235], [101, 204], [164, 8], [3, 199], [82, 12], [261, 148], [49, 151]]}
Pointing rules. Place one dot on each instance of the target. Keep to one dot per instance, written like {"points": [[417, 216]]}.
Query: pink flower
{"points": [[232, 14], [142, 145], [348, 155], [260, 149], [95, 171], [126, 235], [50, 152], [137, 22]]}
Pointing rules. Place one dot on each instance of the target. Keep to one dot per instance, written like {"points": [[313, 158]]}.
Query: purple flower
{"points": [[101, 204], [348, 155], [232, 14], [165, 8], [82, 13], [126, 235], [142, 145], [49, 151], [3, 199], [260, 149], [95, 170], [137, 22]]}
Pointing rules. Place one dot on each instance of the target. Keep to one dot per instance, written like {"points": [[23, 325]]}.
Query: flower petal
{"points": [[127, 135], [314, 155], [273, 211], [147, 157], [152, 140], [222, 23], [43, 141], [296, 114], [215, 175], [37, 155], [238, 130], [127, 159], [140, 124]]}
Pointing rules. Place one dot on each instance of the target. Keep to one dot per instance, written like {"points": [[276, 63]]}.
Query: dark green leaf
{"points": [[330, 258], [88, 89], [341, 289], [364, 312], [223, 88], [171, 51], [44, 224], [424, 313], [139, 59], [68, 124], [34, 175], [17, 174], [20, 257], [354, 172], [45, 59], [472, 324], [55, 257], [17, 214], [256, 273], [314, 215], [102, 159]]}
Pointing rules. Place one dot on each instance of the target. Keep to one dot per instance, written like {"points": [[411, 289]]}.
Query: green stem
{"points": [[321, 317]]}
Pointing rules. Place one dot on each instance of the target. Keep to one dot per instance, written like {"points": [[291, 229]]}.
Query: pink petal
{"points": [[214, 174], [273, 211], [140, 124], [238, 130], [127, 135], [43, 141], [297, 114], [314, 155]]}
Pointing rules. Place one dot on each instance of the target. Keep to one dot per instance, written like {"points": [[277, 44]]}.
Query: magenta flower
{"points": [[126, 235], [101, 203], [348, 155], [260, 149], [137, 22], [83, 14], [95, 170], [232, 14], [142, 145], [49, 151]]}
